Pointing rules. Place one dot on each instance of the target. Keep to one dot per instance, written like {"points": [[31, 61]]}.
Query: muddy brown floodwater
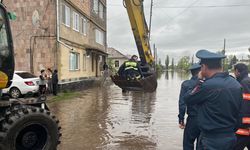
{"points": [[105, 118]]}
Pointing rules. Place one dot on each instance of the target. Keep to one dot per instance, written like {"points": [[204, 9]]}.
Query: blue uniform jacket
{"points": [[245, 108], [219, 100], [191, 109]]}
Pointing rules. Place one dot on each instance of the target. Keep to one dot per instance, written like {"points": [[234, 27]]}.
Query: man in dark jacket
{"points": [[243, 132], [219, 99], [55, 82], [130, 69], [191, 131]]}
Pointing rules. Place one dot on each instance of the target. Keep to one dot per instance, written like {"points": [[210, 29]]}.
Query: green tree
{"points": [[111, 64], [159, 67], [160, 62], [167, 62], [172, 64], [183, 63]]}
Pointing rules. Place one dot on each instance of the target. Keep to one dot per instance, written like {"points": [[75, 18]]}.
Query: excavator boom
{"points": [[140, 29], [148, 82]]}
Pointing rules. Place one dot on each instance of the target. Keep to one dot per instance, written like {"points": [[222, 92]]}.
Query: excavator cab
{"points": [[6, 49]]}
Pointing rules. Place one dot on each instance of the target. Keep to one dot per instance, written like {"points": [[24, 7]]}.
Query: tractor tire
{"points": [[29, 128]]}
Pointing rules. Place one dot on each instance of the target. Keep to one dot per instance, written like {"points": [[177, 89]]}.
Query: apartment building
{"points": [[68, 35]]}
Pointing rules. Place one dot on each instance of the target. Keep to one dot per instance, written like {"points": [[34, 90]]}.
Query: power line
{"points": [[209, 6], [204, 6], [186, 8]]}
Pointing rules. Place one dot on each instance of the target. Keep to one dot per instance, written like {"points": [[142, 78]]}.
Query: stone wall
{"points": [[36, 21], [78, 85]]}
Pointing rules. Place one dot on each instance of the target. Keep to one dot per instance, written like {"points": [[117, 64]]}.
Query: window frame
{"points": [[101, 12], [99, 37], [95, 6], [84, 27], [117, 62], [76, 23], [77, 61], [66, 20]]}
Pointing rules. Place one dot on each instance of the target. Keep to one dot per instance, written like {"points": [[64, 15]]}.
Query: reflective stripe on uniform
{"points": [[245, 132], [131, 65], [246, 96], [130, 68], [246, 120]]}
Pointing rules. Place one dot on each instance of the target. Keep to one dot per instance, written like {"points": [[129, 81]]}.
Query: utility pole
{"points": [[224, 47], [224, 52], [150, 20], [155, 56]]}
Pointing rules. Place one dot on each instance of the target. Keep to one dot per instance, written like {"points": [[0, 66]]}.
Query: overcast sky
{"points": [[182, 31]]}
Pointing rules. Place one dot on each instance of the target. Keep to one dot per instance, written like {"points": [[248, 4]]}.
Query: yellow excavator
{"points": [[148, 82], [24, 124]]}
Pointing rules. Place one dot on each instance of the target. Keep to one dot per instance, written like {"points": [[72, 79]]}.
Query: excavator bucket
{"points": [[147, 84]]}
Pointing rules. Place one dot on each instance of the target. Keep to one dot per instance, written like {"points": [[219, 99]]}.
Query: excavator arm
{"points": [[148, 82], [140, 29]]}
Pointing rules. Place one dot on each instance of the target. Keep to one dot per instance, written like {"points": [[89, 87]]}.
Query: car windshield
{"points": [[26, 75]]}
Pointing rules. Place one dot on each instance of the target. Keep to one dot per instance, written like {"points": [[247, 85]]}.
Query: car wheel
{"points": [[15, 93]]}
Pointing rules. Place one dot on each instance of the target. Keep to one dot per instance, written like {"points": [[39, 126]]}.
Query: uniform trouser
{"points": [[191, 133], [212, 141], [242, 142]]}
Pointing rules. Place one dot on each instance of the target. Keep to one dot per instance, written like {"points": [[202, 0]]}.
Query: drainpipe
{"points": [[58, 27]]}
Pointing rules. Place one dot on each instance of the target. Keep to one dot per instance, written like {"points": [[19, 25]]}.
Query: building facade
{"points": [[68, 35], [116, 58]]}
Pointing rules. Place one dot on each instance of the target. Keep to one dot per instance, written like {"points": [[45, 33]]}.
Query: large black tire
{"points": [[29, 128]]}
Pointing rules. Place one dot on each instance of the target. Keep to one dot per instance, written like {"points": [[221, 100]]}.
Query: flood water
{"points": [[105, 118]]}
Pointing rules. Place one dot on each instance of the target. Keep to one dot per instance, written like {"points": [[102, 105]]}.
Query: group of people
{"points": [[48, 82], [217, 104], [130, 70]]}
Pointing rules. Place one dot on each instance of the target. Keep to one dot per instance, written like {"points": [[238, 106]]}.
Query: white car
{"points": [[22, 83]]}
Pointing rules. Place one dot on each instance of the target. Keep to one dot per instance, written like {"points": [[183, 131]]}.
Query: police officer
{"points": [[243, 133], [219, 98], [191, 131]]}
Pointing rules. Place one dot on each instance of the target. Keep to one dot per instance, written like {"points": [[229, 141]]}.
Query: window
{"points": [[101, 10], [26, 75], [99, 36], [84, 62], [117, 63], [4, 46], [66, 15], [95, 6], [76, 21], [84, 26], [74, 61]]}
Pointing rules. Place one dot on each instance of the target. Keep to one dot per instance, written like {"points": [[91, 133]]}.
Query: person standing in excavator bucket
{"points": [[130, 70]]}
